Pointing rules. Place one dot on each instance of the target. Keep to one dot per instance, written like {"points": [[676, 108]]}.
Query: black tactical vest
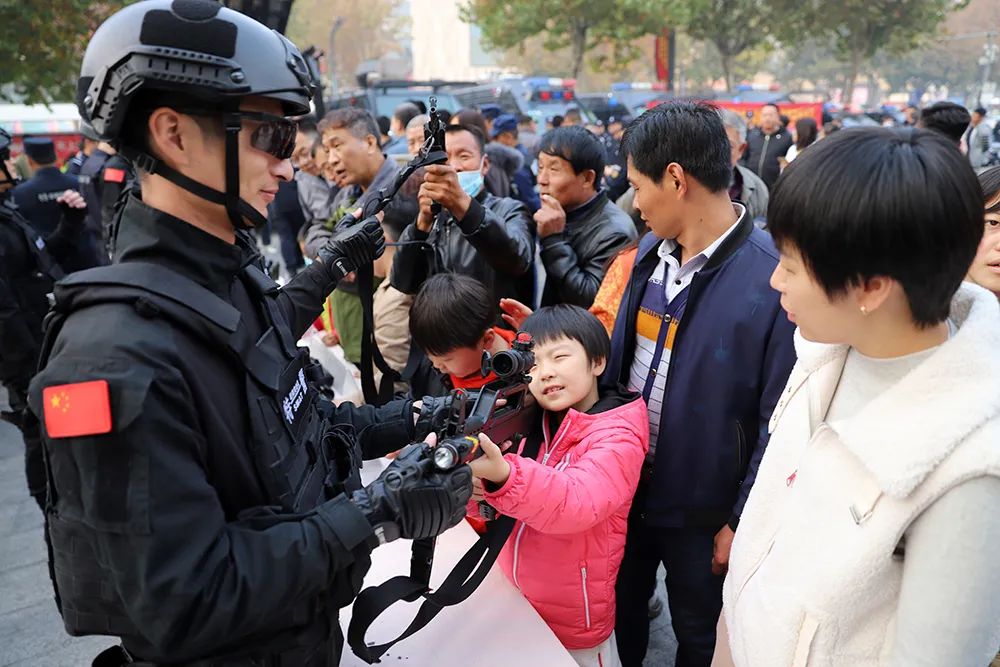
{"points": [[32, 288], [300, 457]]}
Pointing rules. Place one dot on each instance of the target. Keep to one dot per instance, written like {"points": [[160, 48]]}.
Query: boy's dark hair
{"points": [[567, 321], [948, 118], [383, 124], [990, 182], [686, 132], [451, 311], [578, 146], [358, 122], [471, 129], [869, 202], [771, 104]]}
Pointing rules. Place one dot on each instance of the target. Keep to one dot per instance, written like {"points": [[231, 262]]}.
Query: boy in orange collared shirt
{"points": [[452, 320]]}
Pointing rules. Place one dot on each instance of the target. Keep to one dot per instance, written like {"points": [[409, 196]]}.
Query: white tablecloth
{"points": [[495, 627]]}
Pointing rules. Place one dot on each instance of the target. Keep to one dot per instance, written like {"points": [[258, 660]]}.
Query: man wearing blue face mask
{"points": [[476, 234]]}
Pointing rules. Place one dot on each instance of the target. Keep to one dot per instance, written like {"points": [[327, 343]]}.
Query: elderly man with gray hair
{"points": [[745, 186]]}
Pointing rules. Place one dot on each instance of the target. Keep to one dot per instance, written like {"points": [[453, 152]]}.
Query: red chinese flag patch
{"points": [[114, 175], [73, 410]]}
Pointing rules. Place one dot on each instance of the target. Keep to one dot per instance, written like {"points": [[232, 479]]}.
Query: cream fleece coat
{"points": [[812, 578]]}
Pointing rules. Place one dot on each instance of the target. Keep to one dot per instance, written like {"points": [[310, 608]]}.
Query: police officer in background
{"points": [[103, 178], [37, 199], [27, 272], [204, 503], [88, 144]]}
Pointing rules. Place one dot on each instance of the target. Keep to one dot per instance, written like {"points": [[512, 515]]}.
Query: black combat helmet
{"points": [[201, 50]]}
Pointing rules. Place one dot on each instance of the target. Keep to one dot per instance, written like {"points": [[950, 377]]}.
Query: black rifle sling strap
{"points": [[460, 583], [371, 356]]}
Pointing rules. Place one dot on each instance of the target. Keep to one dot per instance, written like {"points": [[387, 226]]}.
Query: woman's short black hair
{"points": [[686, 132], [566, 321], [451, 311], [990, 182], [578, 146], [867, 202]]}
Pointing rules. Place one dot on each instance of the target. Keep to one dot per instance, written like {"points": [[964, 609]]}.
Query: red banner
{"points": [[663, 55], [751, 110]]}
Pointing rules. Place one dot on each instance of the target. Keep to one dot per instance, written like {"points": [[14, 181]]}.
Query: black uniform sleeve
{"points": [[65, 239], [18, 346], [190, 580], [507, 243], [302, 298], [379, 430], [577, 278], [409, 265]]}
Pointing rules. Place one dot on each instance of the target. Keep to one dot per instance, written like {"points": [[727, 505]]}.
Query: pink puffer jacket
{"points": [[572, 508]]}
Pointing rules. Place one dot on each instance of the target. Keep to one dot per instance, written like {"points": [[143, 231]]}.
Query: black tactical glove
{"points": [[72, 215], [352, 247], [431, 415], [414, 500]]}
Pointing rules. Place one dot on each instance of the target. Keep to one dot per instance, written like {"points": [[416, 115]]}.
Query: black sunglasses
{"points": [[275, 135]]}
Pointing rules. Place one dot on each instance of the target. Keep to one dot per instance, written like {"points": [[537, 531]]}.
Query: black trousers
{"points": [[694, 594]]}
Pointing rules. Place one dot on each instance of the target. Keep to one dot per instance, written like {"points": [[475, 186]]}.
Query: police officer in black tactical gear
{"points": [[37, 199], [204, 504], [28, 268], [104, 176]]}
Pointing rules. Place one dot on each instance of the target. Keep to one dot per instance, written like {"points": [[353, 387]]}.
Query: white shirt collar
{"points": [[669, 245]]}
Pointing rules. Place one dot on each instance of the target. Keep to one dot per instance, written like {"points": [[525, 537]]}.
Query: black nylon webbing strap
{"points": [[463, 580], [460, 583], [370, 354], [42, 257]]}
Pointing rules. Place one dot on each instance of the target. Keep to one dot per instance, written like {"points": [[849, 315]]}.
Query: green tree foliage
{"points": [[42, 46], [367, 30], [580, 25], [860, 30], [733, 27]]}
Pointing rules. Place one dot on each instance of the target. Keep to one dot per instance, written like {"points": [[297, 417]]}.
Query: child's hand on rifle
{"points": [[477, 489], [491, 465]]}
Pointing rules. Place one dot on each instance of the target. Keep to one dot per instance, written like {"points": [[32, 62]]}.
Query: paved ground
{"points": [[31, 632]]}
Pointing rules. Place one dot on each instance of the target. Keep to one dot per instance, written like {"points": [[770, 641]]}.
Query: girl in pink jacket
{"points": [[571, 503]]}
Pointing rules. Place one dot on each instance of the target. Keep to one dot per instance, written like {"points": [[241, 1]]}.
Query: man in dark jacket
{"points": [[580, 230], [702, 335], [351, 140], [766, 144], [745, 186], [477, 234], [36, 199]]}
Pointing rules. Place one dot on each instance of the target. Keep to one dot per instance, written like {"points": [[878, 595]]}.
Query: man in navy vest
{"points": [[36, 199], [702, 335]]}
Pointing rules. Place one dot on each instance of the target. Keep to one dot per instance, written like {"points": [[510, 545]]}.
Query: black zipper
{"points": [[763, 154]]}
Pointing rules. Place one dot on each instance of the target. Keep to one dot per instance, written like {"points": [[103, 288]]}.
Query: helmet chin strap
{"points": [[239, 211]]}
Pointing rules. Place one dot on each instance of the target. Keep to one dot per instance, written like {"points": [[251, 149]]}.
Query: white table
{"points": [[346, 377], [495, 627]]}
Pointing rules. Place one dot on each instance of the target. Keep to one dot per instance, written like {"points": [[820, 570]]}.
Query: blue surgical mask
{"points": [[471, 182]]}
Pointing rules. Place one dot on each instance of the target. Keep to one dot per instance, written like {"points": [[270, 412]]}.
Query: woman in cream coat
{"points": [[870, 536]]}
